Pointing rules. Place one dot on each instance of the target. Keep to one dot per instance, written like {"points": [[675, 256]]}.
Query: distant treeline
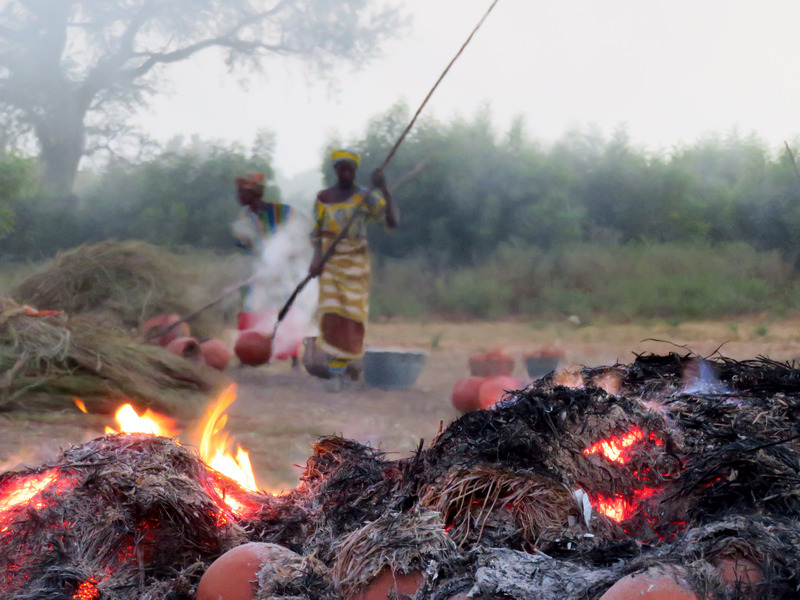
{"points": [[497, 203], [477, 189]]}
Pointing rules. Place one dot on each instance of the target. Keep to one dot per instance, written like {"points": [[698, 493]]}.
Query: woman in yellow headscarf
{"points": [[345, 277]]}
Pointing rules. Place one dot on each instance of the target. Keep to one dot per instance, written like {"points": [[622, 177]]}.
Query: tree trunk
{"points": [[62, 140]]}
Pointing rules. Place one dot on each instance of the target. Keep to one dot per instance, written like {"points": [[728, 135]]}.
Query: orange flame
{"points": [[215, 445], [131, 422]]}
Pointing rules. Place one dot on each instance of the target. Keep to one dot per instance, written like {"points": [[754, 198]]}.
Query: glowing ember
{"points": [[616, 509], [569, 378], [81, 405], [620, 509], [614, 449], [131, 422], [215, 445], [26, 490], [86, 591]]}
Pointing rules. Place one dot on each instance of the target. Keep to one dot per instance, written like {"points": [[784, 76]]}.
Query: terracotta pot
{"points": [[162, 322], [215, 354], [233, 576], [465, 396], [494, 388], [741, 574], [253, 348], [386, 581], [653, 584], [491, 364], [186, 347]]}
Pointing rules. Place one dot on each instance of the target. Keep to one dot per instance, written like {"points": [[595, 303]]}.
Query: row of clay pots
{"points": [[212, 352], [179, 341], [497, 362], [472, 393], [233, 577]]}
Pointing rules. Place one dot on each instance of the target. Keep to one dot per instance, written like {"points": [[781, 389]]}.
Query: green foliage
{"points": [[16, 178], [184, 197], [658, 281]]}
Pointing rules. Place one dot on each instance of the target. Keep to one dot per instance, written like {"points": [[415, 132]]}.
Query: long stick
{"points": [[329, 252], [436, 85], [332, 248]]}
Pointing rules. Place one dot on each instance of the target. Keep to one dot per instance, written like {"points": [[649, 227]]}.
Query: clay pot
{"points": [[185, 347], [385, 581], [162, 322], [740, 574], [215, 354], [491, 364], [465, 397], [253, 348], [494, 388], [653, 584], [233, 576]]}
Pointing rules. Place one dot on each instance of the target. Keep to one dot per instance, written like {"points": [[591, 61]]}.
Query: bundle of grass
{"points": [[396, 543], [123, 284], [130, 280], [505, 508], [49, 360], [123, 517]]}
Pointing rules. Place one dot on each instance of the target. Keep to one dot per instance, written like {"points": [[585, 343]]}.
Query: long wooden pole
{"points": [[332, 248]]}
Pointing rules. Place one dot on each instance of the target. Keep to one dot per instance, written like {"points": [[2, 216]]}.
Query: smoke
{"points": [[282, 265]]}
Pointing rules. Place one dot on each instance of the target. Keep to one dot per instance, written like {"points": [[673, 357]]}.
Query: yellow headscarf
{"points": [[338, 156]]}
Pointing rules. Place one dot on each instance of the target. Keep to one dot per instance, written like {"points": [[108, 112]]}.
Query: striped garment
{"points": [[345, 280]]}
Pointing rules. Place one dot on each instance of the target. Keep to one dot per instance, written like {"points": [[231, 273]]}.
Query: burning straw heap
{"points": [[555, 493]]}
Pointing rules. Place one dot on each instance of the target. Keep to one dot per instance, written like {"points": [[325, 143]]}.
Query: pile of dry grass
{"points": [[48, 360], [129, 280], [125, 283]]}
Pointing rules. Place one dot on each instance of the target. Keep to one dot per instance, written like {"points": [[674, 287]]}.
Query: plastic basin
{"points": [[393, 369], [539, 366]]}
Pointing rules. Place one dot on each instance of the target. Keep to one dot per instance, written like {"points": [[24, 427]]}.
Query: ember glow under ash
{"points": [[86, 591], [620, 449], [26, 492]]}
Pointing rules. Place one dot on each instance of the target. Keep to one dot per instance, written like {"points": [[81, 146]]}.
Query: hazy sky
{"points": [[670, 71]]}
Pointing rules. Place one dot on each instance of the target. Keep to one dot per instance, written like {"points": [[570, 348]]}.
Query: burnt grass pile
{"points": [[555, 492]]}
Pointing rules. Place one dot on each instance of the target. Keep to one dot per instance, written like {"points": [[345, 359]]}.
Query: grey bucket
{"points": [[539, 366], [392, 369]]}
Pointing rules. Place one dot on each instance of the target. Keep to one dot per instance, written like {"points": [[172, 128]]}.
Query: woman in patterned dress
{"points": [[344, 279]]}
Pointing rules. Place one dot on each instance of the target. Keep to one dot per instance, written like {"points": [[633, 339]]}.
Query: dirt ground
{"points": [[280, 411]]}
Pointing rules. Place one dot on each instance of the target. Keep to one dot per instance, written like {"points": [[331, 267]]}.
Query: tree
{"points": [[72, 71]]}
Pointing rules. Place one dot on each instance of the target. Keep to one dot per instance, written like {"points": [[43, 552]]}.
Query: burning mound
{"points": [[557, 492]]}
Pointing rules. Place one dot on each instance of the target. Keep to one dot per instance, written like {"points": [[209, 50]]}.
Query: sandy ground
{"points": [[280, 411]]}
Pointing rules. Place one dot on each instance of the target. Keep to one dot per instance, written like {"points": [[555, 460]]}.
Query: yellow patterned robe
{"points": [[344, 283]]}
